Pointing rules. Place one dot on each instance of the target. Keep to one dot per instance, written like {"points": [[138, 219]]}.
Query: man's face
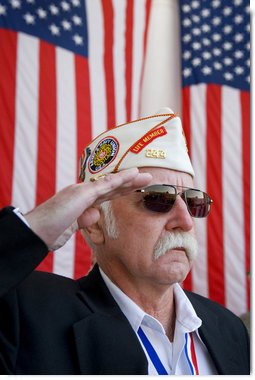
{"points": [[140, 231]]}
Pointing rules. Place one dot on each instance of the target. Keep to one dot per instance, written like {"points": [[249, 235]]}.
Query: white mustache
{"points": [[172, 240]]}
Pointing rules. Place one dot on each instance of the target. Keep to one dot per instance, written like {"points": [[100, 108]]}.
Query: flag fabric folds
{"points": [[71, 69]]}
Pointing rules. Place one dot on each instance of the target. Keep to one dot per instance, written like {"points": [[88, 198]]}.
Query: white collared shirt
{"points": [[171, 354]]}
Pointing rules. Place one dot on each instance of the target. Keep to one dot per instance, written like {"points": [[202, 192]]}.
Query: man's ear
{"points": [[95, 233]]}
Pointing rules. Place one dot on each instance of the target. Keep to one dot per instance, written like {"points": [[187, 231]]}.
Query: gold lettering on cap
{"points": [[155, 153]]}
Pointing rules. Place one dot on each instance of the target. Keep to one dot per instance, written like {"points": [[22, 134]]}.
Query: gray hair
{"points": [[110, 220]]}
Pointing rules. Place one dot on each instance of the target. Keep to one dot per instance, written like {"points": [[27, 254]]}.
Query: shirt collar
{"points": [[132, 311], [186, 317]]}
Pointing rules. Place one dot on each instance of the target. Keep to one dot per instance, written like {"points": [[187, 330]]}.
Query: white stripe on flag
{"points": [[198, 154], [96, 67], [66, 146], [232, 199], [119, 60], [26, 128], [138, 52], [162, 71]]}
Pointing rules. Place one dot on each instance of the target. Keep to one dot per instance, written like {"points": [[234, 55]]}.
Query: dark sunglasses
{"points": [[161, 198]]}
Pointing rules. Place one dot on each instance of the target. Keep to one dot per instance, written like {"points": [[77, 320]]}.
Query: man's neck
{"points": [[154, 298], [159, 306]]}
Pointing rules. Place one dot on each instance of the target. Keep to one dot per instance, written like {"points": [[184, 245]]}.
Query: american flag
{"points": [[71, 69], [216, 107]]}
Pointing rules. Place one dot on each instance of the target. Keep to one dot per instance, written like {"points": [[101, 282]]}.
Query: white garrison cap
{"points": [[155, 141]]}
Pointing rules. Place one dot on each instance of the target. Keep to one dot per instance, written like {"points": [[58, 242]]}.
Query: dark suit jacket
{"points": [[50, 324]]}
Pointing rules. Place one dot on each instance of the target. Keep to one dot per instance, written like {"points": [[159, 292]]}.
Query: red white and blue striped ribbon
{"points": [[190, 353], [189, 350]]}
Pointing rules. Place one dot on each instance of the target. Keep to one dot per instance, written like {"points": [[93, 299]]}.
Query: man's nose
{"points": [[179, 216]]}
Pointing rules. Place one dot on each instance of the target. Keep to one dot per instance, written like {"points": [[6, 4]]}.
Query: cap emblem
{"points": [[104, 153]]}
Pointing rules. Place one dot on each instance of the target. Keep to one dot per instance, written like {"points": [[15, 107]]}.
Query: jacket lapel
{"points": [[214, 335], [227, 361], [105, 341]]}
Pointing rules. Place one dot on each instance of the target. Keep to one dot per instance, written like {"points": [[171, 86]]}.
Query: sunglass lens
{"points": [[198, 203], [160, 201]]}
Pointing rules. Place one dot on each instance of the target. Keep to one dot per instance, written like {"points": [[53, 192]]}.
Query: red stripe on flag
{"points": [[186, 119], [46, 156], [8, 60], [83, 111], [187, 130], [129, 55], [108, 61], [245, 109], [216, 283]]}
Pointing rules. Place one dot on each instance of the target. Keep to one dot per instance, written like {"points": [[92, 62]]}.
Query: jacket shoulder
{"points": [[212, 313], [47, 283], [201, 303]]}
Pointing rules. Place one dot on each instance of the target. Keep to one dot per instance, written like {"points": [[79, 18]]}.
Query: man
{"points": [[129, 315]]}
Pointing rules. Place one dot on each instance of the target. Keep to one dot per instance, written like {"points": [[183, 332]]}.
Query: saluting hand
{"points": [[55, 220]]}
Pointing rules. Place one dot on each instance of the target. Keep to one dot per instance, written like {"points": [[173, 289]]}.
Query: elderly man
{"points": [[129, 315]]}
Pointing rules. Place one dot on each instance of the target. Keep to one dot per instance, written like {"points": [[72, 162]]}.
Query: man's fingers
{"points": [[53, 217], [118, 184], [124, 175]]}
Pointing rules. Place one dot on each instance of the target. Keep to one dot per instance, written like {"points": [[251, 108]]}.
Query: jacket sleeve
{"points": [[21, 250]]}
